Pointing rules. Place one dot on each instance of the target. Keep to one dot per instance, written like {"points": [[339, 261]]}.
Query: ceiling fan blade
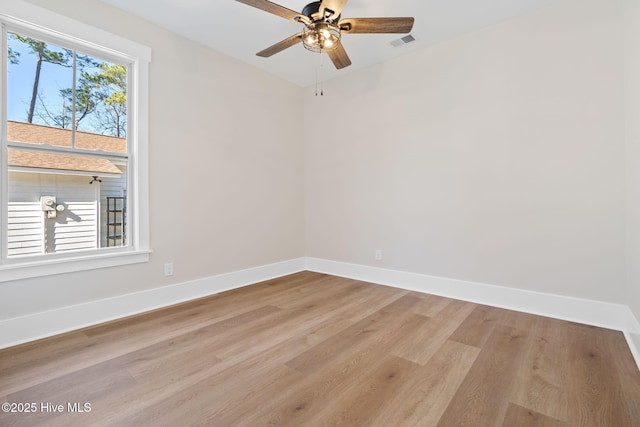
{"points": [[335, 6], [280, 46], [339, 57], [275, 9], [376, 25]]}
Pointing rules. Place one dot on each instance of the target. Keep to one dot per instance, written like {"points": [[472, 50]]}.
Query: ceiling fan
{"points": [[323, 27]]}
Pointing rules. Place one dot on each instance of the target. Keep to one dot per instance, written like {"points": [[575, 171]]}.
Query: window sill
{"points": [[29, 269]]}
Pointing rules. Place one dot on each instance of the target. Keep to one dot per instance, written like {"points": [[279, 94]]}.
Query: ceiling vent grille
{"points": [[403, 40]]}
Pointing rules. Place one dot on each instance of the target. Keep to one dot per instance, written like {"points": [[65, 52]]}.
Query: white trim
{"points": [[37, 266], [39, 147], [25, 169], [4, 174], [590, 312], [40, 325], [138, 197], [632, 334], [634, 345]]}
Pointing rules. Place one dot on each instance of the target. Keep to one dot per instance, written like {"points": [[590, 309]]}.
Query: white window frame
{"points": [[18, 16]]}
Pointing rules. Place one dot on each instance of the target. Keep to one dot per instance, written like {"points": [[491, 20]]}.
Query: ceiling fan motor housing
{"points": [[312, 10]]}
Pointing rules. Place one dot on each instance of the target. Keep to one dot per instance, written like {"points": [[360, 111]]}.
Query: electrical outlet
{"points": [[168, 269], [378, 254]]}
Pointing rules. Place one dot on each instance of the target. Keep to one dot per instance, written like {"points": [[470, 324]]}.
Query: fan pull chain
{"points": [[319, 76]]}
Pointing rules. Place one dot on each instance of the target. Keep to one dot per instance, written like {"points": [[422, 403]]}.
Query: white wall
{"points": [[632, 128], [226, 170], [496, 157]]}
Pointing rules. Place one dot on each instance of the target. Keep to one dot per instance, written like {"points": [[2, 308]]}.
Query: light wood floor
{"points": [[311, 350]]}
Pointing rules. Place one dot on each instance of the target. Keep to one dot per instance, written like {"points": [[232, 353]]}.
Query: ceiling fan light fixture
{"points": [[321, 36]]}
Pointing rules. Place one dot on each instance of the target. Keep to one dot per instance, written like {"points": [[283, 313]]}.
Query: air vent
{"points": [[403, 40]]}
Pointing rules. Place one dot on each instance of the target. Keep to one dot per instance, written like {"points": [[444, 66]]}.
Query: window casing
{"points": [[126, 241]]}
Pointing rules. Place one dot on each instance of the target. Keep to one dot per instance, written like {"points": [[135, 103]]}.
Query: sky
{"points": [[21, 77], [53, 78]]}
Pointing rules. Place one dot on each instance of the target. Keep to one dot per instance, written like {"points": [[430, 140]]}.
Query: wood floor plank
{"points": [[478, 326], [542, 375], [85, 386], [34, 353], [119, 337], [430, 337], [518, 320], [240, 403], [215, 307], [202, 403], [425, 397], [483, 397], [299, 316], [523, 417], [323, 353], [152, 395], [99, 349], [369, 394], [326, 387], [629, 376], [431, 305], [154, 359], [314, 349], [595, 392]]}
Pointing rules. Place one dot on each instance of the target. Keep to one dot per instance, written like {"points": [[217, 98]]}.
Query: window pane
{"points": [[45, 104], [113, 209], [39, 99], [101, 97], [61, 203]]}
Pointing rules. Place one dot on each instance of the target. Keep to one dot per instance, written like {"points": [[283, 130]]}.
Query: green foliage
{"points": [[106, 90], [99, 95], [14, 57], [45, 54]]}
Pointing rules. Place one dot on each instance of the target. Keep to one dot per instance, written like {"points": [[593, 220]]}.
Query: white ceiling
{"points": [[240, 31]]}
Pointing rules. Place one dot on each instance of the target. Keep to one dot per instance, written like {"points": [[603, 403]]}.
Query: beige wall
{"points": [[632, 92], [226, 169], [496, 157]]}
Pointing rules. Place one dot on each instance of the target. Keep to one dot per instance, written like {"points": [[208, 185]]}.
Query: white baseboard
{"points": [[44, 324], [590, 312], [632, 334]]}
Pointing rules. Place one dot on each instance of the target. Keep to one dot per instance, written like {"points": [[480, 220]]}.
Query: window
{"points": [[74, 185]]}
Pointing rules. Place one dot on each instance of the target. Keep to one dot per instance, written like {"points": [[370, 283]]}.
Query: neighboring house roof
{"points": [[38, 134], [31, 159]]}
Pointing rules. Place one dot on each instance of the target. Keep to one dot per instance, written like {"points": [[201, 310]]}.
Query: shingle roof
{"points": [[30, 133], [31, 159]]}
